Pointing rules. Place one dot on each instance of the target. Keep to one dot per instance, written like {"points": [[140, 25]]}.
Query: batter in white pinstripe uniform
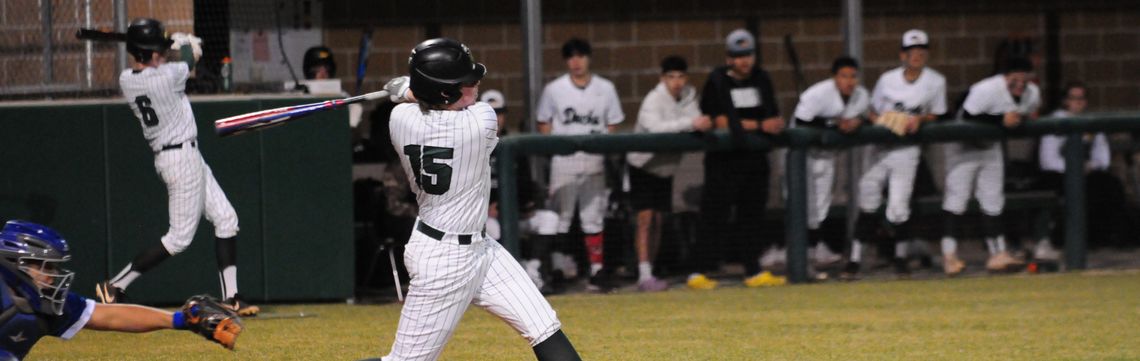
{"points": [[156, 92], [579, 103], [920, 92], [979, 168], [841, 103], [445, 142]]}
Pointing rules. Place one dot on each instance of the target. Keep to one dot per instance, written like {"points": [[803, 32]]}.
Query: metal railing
{"points": [[798, 141]]}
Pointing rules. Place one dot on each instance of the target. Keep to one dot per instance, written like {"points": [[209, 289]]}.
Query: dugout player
{"points": [[670, 107], [576, 103], [1074, 102], [36, 299], [977, 168], [444, 142], [836, 103], [156, 93], [920, 93], [738, 97]]}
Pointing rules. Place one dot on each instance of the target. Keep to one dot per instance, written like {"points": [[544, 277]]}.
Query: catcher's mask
{"points": [[36, 253]]}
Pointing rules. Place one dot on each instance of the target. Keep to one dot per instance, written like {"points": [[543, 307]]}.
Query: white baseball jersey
{"points": [[1051, 155], [573, 110], [895, 166], [823, 102], [157, 95], [978, 167], [446, 155], [440, 153]]}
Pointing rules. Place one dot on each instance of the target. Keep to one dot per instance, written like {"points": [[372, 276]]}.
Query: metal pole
{"points": [[796, 222], [45, 22], [532, 60], [853, 43], [532, 57], [121, 27], [508, 197], [88, 48], [1075, 246]]}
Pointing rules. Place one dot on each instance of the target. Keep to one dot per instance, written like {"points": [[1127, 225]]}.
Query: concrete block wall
{"points": [[1099, 41], [22, 38]]}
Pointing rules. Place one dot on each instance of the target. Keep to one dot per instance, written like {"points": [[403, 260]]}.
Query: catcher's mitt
{"points": [[895, 121], [213, 320]]}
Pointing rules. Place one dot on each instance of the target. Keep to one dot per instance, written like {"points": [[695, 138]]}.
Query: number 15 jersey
{"points": [[446, 155], [158, 98]]}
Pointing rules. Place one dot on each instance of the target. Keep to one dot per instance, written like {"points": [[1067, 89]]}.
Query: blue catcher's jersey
{"points": [[22, 327]]}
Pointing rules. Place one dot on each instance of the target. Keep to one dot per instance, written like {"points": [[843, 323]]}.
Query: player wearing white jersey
{"points": [[156, 93], [444, 142], [839, 103], [979, 168], [578, 103], [919, 92]]}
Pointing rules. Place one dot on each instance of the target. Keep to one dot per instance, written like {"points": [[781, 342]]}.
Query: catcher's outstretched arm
{"points": [[129, 318]]}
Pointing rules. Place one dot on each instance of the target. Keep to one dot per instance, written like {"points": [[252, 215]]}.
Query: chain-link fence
{"points": [[40, 56]]}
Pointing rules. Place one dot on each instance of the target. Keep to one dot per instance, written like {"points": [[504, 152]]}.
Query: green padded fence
{"points": [[86, 170]]}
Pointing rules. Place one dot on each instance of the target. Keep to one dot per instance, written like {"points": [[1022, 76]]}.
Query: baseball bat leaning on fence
{"points": [[99, 35], [246, 122]]}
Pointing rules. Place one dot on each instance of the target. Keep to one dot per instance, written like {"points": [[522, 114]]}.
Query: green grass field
{"points": [[1090, 316]]}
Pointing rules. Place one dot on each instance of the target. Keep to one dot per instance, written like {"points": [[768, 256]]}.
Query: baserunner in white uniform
{"points": [[156, 92], [579, 103], [444, 142], [837, 103], [978, 169], [919, 92]]}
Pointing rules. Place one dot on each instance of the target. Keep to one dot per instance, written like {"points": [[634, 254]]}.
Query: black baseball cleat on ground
{"points": [[242, 308], [108, 293], [850, 271], [902, 268], [602, 282]]}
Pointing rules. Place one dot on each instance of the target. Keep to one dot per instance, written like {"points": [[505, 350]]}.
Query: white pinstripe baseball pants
{"points": [[192, 192], [446, 277], [894, 167], [974, 169], [821, 176]]}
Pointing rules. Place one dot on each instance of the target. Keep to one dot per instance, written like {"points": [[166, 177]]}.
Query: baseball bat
{"points": [[250, 121], [99, 35]]}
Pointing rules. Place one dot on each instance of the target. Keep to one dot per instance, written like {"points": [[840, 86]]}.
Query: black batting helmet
{"points": [[439, 68], [145, 36], [318, 56]]}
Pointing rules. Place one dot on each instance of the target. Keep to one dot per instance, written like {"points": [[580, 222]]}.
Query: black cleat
{"points": [[108, 293], [902, 269], [242, 308], [850, 271]]}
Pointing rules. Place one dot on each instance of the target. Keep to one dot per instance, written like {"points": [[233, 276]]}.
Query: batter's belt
{"points": [[464, 239]]}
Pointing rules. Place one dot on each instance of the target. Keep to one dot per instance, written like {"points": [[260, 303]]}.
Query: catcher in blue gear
{"points": [[35, 300]]}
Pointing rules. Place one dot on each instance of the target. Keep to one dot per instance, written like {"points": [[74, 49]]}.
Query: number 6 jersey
{"points": [[158, 98], [446, 155]]}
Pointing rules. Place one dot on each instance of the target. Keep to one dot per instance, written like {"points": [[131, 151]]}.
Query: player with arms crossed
{"points": [[36, 300], [156, 92], [919, 94], [979, 167], [840, 103], [444, 142]]}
